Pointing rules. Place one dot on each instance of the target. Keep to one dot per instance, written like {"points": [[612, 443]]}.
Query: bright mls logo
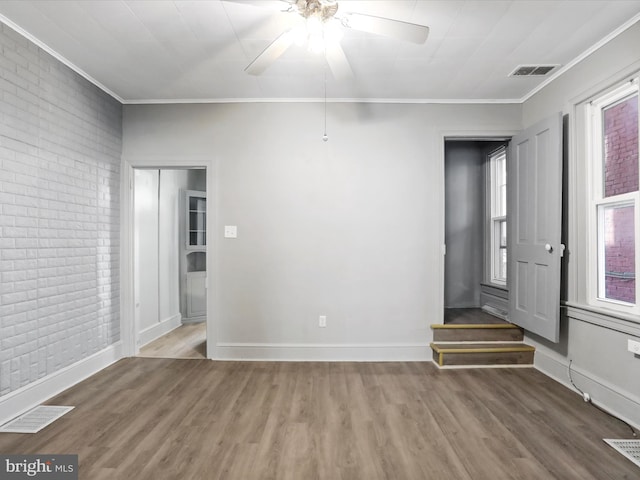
{"points": [[50, 467]]}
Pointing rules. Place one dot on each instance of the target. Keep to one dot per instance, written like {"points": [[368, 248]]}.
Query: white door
{"points": [[534, 212]]}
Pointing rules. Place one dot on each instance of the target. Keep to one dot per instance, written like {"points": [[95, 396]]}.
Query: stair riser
{"points": [[478, 335], [490, 358]]}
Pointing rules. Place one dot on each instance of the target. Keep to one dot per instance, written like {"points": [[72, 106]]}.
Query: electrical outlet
{"points": [[322, 321], [634, 346]]}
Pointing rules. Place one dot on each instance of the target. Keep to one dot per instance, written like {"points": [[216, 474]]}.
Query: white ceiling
{"points": [[167, 51]]}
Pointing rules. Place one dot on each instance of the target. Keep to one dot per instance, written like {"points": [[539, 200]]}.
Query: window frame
{"points": [[597, 202], [496, 219]]}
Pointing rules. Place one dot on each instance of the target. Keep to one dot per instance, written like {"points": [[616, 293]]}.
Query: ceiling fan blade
{"points": [[409, 32], [270, 54], [338, 62], [272, 4]]}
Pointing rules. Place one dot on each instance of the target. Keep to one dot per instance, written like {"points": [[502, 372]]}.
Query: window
{"points": [[613, 146], [498, 220]]}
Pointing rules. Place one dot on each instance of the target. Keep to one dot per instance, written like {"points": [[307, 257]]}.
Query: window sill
{"points": [[620, 322]]}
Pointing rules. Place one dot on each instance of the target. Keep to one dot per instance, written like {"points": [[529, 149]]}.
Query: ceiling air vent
{"points": [[532, 70]]}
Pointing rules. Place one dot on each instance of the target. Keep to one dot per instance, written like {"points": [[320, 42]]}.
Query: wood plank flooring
{"points": [[186, 341], [156, 419]]}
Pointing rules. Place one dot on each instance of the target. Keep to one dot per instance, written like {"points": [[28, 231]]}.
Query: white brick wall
{"points": [[60, 146]]}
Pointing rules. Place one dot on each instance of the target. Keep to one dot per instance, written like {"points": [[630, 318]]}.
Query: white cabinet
{"points": [[194, 257], [197, 294], [196, 220]]}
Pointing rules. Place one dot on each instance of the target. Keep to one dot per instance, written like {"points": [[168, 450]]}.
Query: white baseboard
{"points": [[610, 397], [161, 328], [29, 396], [191, 320], [291, 352]]}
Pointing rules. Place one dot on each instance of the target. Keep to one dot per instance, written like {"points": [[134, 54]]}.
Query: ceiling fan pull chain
{"points": [[325, 137]]}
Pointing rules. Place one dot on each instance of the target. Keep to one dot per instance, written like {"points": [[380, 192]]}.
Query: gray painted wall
{"points": [[464, 223], [351, 228], [596, 340], [60, 146]]}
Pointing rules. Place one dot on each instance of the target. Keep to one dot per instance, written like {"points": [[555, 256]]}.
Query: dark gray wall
{"points": [[464, 223]]}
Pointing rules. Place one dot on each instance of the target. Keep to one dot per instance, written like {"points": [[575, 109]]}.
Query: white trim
{"points": [[463, 101], [311, 352], [153, 332], [33, 394], [612, 320], [610, 397], [128, 318], [128, 326], [496, 218], [444, 136], [58, 57], [597, 202]]}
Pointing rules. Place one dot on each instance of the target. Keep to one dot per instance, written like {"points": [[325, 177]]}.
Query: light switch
{"points": [[230, 231]]}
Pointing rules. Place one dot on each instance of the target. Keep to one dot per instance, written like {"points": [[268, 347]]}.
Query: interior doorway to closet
{"points": [[169, 228], [475, 288]]}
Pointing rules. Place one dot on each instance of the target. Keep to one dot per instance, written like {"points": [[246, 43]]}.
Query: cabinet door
{"points": [[196, 294], [196, 220]]}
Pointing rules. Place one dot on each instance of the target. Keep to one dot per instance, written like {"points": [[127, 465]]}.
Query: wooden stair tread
{"points": [[488, 326], [481, 347], [477, 332], [461, 345]]}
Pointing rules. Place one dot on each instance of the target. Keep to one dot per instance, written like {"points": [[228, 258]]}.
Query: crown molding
{"points": [[411, 101]]}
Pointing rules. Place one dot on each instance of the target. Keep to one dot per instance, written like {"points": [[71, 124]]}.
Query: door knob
{"points": [[548, 247]]}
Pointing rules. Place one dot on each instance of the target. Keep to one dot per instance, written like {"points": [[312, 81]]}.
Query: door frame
{"points": [[128, 328], [468, 135]]}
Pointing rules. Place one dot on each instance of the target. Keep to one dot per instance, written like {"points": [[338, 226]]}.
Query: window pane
{"points": [[503, 234], [620, 143], [498, 189], [499, 160], [619, 253]]}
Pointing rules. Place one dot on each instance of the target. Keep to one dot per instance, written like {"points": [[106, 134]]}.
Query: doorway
{"points": [[169, 262], [471, 293]]}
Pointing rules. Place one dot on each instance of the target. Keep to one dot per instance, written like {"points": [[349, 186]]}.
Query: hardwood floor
{"points": [[469, 316], [186, 341], [198, 419]]}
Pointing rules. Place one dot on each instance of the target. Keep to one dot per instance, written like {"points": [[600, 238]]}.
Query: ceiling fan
{"points": [[322, 33]]}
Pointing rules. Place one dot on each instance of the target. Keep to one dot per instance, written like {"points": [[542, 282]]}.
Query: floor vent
{"points": [[35, 419], [532, 70], [628, 448]]}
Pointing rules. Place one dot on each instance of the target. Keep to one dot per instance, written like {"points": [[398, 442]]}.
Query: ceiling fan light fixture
{"points": [[323, 9], [332, 32], [316, 43], [322, 34], [299, 35], [314, 25]]}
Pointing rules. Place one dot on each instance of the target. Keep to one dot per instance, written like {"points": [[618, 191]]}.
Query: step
{"points": [[488, 332], [473, 354]]}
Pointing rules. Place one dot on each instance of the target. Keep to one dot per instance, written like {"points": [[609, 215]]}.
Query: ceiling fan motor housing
{"points": [[324, 10]]}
